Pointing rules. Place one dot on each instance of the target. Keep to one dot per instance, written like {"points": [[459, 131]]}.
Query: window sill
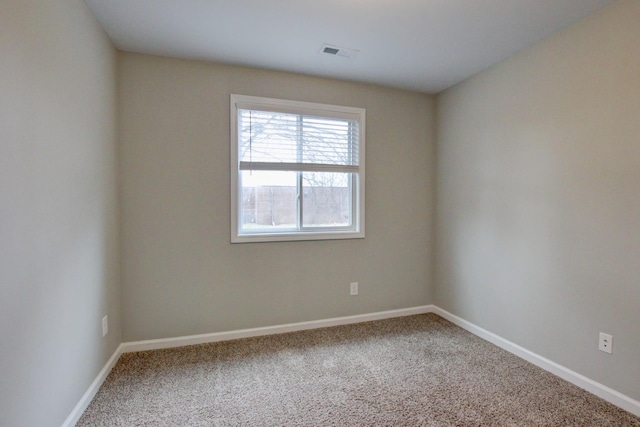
{"points": [[295, 237]]}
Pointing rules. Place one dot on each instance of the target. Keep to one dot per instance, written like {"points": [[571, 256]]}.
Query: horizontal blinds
{"points": [[302, 167], [270, 140]]}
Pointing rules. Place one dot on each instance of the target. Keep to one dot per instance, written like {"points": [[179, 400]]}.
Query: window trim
{"points": [[296, 107]]}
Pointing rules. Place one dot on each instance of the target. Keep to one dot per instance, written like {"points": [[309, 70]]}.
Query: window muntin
{"points": [[297, 170]]}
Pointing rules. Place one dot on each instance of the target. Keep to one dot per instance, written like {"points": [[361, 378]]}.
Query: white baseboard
{"points": [[269, 330], [593, 387], [88, 396]]}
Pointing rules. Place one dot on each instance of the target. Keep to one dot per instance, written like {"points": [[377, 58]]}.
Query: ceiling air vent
{"points": [[338, 51]]}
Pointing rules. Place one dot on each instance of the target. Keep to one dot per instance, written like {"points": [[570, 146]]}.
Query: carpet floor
{"points": [[412, 371]]}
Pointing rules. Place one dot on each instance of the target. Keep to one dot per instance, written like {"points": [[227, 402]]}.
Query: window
{"points": [[297, 170]]}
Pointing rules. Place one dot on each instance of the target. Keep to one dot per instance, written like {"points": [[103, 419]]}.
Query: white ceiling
{"points": [[422, 45]]}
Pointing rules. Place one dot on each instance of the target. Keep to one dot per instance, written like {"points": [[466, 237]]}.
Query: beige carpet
{"points": [[411, 371]]}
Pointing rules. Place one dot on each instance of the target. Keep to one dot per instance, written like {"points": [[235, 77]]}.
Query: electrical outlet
{"points": [[105, 325], [605, 343], [353, 290]]}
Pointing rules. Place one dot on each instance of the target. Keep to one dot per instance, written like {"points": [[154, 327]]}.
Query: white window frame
{"points": [[356, 231]]}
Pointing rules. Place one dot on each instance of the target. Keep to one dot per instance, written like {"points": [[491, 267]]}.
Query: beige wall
{"points": [[181, 274], [58, 208], [538, 217]]}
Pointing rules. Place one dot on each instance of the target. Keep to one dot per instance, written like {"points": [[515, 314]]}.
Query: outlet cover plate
{"points": [[105, 325], [605, 343], [353, 289]]}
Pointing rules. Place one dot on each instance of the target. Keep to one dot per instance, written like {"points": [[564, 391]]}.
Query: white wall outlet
{"points": [[605, 343], [353, 289], [105, 325]]}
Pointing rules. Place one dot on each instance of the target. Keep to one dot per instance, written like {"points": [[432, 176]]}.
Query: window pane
{"points": [[326, 199], [273, 137], [268, 201], [267, 137], [329, 141]]}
